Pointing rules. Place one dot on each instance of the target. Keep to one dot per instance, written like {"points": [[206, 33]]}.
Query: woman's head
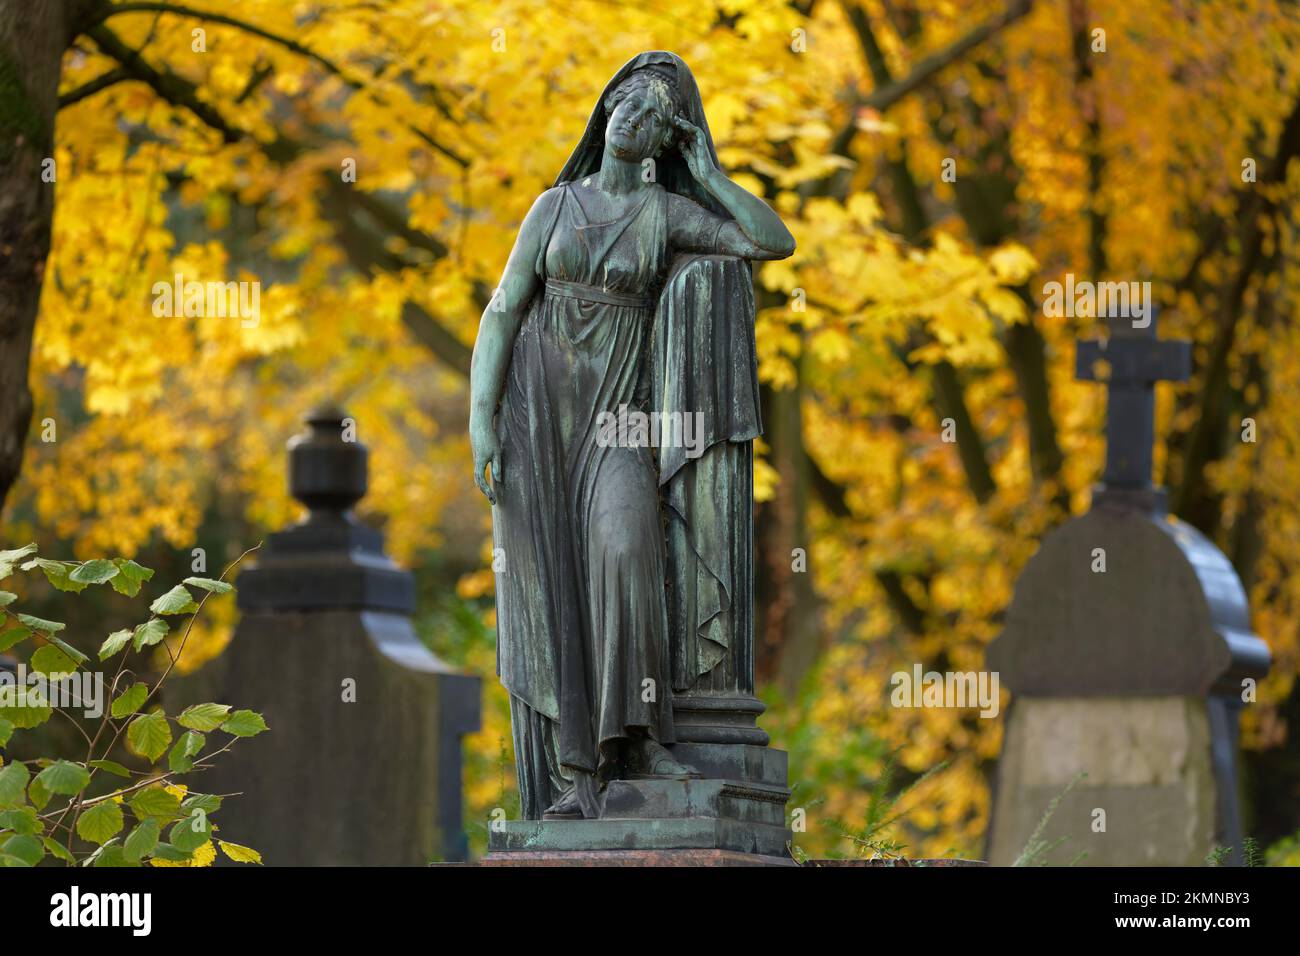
{"points": [[641, 111]]}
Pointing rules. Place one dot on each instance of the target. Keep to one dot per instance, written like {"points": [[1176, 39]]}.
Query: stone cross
{"points": [[1137, 360]]}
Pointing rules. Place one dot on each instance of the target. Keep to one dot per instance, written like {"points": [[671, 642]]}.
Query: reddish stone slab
{"points": [[683, 857]]}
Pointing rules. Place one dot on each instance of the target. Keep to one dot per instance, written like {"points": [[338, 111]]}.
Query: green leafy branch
{"points": [[33, 823]]}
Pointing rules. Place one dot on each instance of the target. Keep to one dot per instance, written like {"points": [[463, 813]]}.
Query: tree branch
{"points": [[925, 70], [949, 395], [287, 43], [366, 253], [881, 98], [1208, 430], [909, 614], [173, 88], [102, 82]]}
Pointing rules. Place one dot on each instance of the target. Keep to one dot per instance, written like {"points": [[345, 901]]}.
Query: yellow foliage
{"points": [[456, 114]]}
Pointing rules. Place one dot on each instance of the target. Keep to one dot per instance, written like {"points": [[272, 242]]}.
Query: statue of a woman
{"points": [[582, 614]]}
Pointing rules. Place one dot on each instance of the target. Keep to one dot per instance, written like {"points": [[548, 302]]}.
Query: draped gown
{"points": [[581, 608]]}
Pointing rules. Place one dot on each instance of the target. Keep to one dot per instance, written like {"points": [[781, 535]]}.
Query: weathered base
{"points": [[1157, 786], [737, 809]]}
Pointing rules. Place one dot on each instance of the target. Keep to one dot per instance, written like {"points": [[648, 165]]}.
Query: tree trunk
{"points": [[33, 36], [788, 636]]}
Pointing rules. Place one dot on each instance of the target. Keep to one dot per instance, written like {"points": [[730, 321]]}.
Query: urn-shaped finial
{"points": [[327, 464]]}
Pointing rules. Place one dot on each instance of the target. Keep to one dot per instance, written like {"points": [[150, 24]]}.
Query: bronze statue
{"points": [[619, 562]]}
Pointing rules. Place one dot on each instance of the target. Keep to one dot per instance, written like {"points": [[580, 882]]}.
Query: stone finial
{"points": [[328, 561], [327, 465]]}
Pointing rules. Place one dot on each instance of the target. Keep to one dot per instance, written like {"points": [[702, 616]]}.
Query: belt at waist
{"points": [[591, 293]]}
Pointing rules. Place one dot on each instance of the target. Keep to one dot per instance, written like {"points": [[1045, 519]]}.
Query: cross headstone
{"points": [[1137, 360], [1129, 655], [362, 763]]}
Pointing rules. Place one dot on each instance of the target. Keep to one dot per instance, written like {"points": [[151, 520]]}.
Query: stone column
{"points": [[362, 762]]}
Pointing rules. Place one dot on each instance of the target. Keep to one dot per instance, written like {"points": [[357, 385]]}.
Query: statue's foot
{"points": [[568, 807], [649, 758]]}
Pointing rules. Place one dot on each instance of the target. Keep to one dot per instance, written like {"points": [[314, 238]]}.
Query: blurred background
{"points": [[938, 162]]}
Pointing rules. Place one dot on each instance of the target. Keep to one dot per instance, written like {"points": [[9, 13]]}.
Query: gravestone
{"points": [[1128, 652], [362, 763]]}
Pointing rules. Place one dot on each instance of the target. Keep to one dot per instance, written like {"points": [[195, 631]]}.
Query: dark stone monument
{"points": [[1128, 651], [625, 556], [362, 764]]}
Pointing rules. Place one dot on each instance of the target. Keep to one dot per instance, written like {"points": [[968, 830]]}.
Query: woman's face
{"points": [[638, 125]]}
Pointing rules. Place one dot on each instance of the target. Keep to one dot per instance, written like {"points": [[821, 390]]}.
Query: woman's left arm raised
{"points": [[758, 232]]}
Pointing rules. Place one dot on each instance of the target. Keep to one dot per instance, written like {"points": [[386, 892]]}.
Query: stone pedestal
{"points": [[361, 765], [738, 806]]}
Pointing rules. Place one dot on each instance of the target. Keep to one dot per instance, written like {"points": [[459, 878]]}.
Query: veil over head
{"points": [[671, 170]]}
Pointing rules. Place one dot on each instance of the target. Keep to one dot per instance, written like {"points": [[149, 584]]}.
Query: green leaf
{"points": [[150, 633], [155, 802], [111, 766], [165, 851], [176, 601], [7, 598], [193, 741], [115, 642], [14, 636], [100, 822], [67, 648], [13, 782], [95, 572], [244, 723], [129, 577], [64, 777], [148, 735], [207, 802], [6, 731], [131, 700], [192, 832], [38, 794], [50, 660], [210, 584], [34, 712], [21, 820], [39, 624], [9, 559], [142, 839], [24, 847], [203, 716], [240, 854], [177, 760], [110, 854], [189, 744], [58, 573], [56, 848]]}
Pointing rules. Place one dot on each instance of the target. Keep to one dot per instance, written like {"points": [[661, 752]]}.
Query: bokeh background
{"points": [[937, 161]]}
